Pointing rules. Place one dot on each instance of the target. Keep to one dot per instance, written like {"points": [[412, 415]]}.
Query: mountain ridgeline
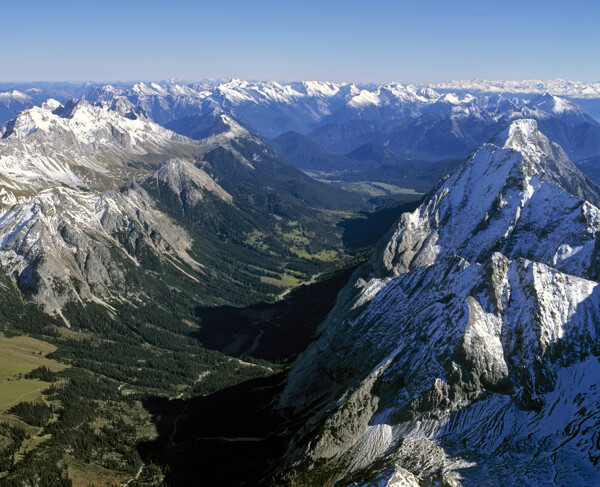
{"points": [[104, 193], [400, 283], [465, 352], [116, 236], [419, 123]]}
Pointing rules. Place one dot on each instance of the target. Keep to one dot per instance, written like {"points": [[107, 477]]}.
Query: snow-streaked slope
{"points": [[96, 125], [76, 144], [505, 199], [466, 351], [163, 103], [184, 178], [13, 102], [227, 132], [413, 120], [91, 194], [60, 243], [73, 219], [269, 107]]}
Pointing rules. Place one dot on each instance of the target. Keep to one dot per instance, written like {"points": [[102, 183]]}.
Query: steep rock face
{"points": [[268, 107], [185, 180], [252, 171], [72, 218], [60, 243], [163, 103], [94, 126], [467, 349]]}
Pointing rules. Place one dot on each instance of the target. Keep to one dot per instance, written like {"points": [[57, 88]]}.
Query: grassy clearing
{"points": [[396, 189], [70, 334], [256, 240], [22, 354], [284, 281], [296, 236], [324, 255], [374, 188], [12, 393], [30, 444], [18, 356], [303, 254], [319, 175], [365, 188], [327, 255], [84, 475]]}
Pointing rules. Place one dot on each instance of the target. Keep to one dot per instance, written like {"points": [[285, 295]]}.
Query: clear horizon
{"points": [[407, 41], [282, 81]]}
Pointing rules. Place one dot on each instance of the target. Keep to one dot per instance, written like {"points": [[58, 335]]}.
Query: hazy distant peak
{"points": [[576, 89]]}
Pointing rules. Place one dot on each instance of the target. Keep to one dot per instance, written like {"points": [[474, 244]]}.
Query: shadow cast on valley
{"points": [[364, 233], [277, 331], [233, 437], [237, 436]]}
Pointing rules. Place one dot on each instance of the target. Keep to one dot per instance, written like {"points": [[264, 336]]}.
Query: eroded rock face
{"points": [[466, 349], [73, 219]]}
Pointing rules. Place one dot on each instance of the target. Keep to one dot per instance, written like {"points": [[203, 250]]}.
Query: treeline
{"points": [[32, 413], [149, 348], [84, 400], [19, 314], [15, 436], [159, 371], [42, 373]]}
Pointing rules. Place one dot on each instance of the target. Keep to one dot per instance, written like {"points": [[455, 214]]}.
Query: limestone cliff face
{"points": [[466, 351], [74, 215]]}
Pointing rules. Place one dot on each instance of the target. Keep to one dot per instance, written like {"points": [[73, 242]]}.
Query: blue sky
{"points": [[376, 40]]}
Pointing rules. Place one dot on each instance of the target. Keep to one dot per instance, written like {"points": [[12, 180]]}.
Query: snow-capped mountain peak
{"points": [[453, 346], [577, 89], [63, 174], [15, 96], [27, 122], [232, 127], [95, 124], [560, 107], [521, 135], [51, 105]]}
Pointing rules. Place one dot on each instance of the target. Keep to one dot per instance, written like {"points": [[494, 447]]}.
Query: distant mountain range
{"points": [[560, 87], [158, 219]]}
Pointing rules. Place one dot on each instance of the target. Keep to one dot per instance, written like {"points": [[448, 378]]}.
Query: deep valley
{"points": [[299, 284]]}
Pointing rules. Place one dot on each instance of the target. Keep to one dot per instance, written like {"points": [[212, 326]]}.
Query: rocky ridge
{"points": [[72, 193], [467, 348]]}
